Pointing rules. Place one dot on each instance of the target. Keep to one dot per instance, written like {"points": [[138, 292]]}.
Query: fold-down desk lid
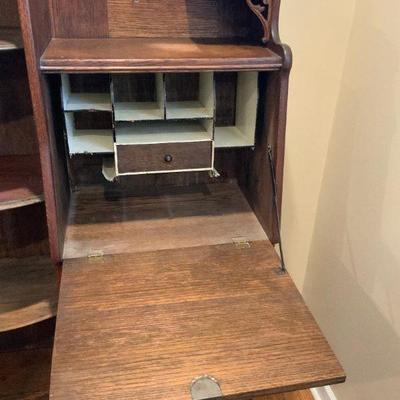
{"points": [[147, 325]]}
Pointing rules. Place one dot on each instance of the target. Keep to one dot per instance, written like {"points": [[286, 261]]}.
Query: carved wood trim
{"points": [[262, 9]]}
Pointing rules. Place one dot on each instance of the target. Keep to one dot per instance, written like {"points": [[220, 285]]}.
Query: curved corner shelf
{"points": [[28, 292], [20, 181], [10, 39]]}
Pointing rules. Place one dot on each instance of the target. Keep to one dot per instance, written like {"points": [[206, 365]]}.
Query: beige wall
{"points": [[318, 32], [346, 215]]}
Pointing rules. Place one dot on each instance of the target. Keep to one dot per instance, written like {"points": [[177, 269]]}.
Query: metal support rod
{"points": [[275, 195]]}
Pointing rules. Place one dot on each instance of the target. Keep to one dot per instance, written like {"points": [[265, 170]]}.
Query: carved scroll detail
{"points": [[262, 9]]}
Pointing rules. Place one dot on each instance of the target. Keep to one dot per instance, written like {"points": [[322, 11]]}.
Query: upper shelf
{"points": [[151, 55], [10, 39]]}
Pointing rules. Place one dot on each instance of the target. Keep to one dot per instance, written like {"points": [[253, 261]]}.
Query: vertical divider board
{"points": [[242, 132]]}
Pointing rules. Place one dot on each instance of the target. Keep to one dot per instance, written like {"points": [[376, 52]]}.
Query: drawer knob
{"points": [[168, 158]]}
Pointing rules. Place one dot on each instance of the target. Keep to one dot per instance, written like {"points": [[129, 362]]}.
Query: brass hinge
{"points": [[241, 242], [95, 255]]}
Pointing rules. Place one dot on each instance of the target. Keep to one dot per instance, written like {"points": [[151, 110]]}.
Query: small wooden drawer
{"points": [[164, 157]]}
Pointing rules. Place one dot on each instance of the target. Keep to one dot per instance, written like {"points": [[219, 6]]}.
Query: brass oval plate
{"points": [[205, 387]]}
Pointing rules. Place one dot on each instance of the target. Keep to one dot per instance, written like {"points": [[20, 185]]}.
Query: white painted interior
{"points": [[243, 133], [201, 108], [323, 393], [83, 101], [151, 132], [81, 141], [108, 169]]}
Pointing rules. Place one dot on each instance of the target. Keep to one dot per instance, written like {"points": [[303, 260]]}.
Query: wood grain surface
{"points": [[182, 87], [23, 231], [25, 374], [299, 395], [180, 18], [17, 128], [144, 325], [28, 292], [151, 157], [133, 87], [9, 14], [20, 181], [150, 55], [37, 31], [79, 19], [158, 218]]}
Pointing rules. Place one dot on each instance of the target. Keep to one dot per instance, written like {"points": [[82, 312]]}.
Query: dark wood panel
{"points": [[38, 335], [93, 120], [20, 181], [300, 395], [23, 232], [179, 18], [164, 157], [149, 55], [9, 14], [25, 374], [134, 87], [151, 322], [37, 31], [18, 137], [89, 83], [225, 98], [182, 87], [17, 130], [87, 170], [147, 218], [271, 131], [80, 19]]}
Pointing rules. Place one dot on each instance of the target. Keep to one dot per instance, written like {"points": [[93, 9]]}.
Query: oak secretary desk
{"points": [[161, 127]]}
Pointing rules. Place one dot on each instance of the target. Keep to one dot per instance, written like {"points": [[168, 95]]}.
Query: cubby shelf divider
{"points": [[134, 105], [81, 101]]}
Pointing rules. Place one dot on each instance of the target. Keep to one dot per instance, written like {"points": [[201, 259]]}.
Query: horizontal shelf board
{"points": [[91, 141], [161, 132], [231, 136], [20, 181], [28, 292], [10, 39], [187, 110], [180, 218], [88, 101], [150, 55], [138, 111]]}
